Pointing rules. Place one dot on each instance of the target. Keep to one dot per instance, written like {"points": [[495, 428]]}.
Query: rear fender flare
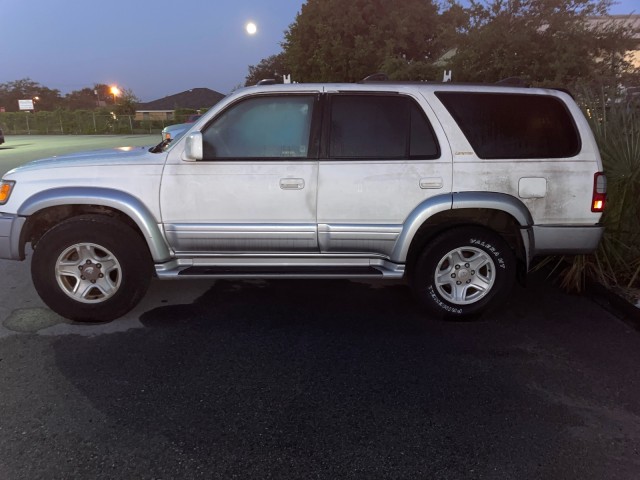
{"points": [[465, 200]]}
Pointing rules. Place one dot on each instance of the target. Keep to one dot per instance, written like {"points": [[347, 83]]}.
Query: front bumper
{"points": [[10, 228]]}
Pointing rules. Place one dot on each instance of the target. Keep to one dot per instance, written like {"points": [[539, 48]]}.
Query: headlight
{"points": [[6, 186]]}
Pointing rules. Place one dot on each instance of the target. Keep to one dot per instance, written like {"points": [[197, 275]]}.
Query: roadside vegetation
{"points": [[48, 100], [543, 42], [616, 264], [618, 135], [75, 122], [85, 122]]}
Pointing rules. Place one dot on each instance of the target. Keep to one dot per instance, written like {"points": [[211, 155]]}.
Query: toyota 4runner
{"points": [[453, 187]]}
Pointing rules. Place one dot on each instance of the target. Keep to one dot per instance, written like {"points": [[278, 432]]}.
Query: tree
{"points": [[27, 89], [101, 96], [333, 40], [547, 42], [103, 92], [270, 67], [85, 99], [126, 103]]}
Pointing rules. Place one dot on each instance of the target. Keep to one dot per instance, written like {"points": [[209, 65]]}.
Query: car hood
{"points": [[112, 156]]}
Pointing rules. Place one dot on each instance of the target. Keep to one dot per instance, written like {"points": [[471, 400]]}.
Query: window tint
{"points": [[261, 127], [513, 125], [378, 126], [423, 141]]}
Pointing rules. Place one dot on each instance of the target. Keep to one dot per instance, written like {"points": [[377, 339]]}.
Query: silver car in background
{"points": [[171, 132]]}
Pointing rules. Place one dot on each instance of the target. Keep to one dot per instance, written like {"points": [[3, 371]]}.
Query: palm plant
{"points": [[616, 263]]}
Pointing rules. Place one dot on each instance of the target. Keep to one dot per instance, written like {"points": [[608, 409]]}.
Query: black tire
{"points": [[463, 271], [91, 268]]}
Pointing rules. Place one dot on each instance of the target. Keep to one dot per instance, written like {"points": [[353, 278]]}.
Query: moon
{"points": [[251, 28]]}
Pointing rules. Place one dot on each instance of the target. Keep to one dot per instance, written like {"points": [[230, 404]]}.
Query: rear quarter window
{"points": [[500, 126]]}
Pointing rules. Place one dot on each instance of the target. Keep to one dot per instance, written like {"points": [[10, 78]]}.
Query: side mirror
{"points": [[193, 147]]}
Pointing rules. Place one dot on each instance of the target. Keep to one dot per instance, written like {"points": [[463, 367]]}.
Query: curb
{"points": [[615, 304]]}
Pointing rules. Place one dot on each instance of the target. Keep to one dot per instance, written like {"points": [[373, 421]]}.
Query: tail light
{"points": [[599, 198]]}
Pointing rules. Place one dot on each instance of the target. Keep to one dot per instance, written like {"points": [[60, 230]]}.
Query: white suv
{"points": [[453, 187]]}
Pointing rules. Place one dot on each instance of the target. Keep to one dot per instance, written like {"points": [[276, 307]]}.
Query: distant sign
{"points": [[25, 104], [2, 110]]}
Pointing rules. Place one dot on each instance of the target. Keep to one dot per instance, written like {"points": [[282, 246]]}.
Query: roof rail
{"points": [[267, 81], [519, 82], [376, 77], [513, 82], [506, 82]]}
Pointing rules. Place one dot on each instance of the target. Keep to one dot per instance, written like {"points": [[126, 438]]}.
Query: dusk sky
{"points": [[153, 48]]}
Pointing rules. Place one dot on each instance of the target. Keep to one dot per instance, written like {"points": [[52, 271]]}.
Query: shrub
{"points": [[616, 263]]}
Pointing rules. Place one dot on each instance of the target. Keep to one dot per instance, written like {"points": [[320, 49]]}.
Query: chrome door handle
{"points": [[291, 183], [431, 182]]}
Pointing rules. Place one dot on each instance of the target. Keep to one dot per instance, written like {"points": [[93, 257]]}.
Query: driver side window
{"points": [[261, 127]]}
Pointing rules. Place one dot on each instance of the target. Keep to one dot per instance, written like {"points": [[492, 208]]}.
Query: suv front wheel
{"points": [[462, 271], [91, 268]]}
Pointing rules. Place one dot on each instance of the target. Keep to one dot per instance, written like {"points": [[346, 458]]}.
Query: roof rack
{"points": [[380, 77], [383, 78]]}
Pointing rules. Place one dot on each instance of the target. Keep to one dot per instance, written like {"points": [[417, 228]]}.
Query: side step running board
{"points": [[291, 266], [282, 271]]}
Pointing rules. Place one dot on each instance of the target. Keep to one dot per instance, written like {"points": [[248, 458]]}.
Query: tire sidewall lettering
{"points": [[490, 249], [441, 304], [494, 247]]}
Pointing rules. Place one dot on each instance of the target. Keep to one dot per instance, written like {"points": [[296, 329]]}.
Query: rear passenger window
{"points": [[513, 125], [379, 127]]}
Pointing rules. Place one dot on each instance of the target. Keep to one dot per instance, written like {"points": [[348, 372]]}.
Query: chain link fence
{"points": [[63, 122]]}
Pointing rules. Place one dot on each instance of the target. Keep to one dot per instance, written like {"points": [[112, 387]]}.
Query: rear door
{"points": [[383, 154]]}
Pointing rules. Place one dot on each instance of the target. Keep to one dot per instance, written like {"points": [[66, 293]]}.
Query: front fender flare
{"points": [[126, 203]]}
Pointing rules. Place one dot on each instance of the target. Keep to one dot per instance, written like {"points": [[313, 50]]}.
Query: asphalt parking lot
{"points": [[316, 379]]}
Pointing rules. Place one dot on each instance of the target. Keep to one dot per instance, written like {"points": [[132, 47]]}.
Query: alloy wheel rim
{"points": [[88, 273], [465, 275]]}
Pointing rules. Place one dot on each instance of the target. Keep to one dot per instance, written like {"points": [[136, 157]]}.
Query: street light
{"points": [[35, 99], [115, 91]]}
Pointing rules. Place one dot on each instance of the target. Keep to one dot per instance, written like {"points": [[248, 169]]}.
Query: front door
{"points": [[256, 188]]}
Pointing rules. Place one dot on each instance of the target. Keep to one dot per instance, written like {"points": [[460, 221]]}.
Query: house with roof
{"points": [[164, 108], [631, 22]]}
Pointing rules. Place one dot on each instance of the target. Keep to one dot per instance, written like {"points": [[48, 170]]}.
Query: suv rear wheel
{"points": [[91, 268], [462, 271]]}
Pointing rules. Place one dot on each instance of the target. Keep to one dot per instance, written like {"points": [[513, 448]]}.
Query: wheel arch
{"points": [[52, 206], [502, 213], [464, 271]]}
